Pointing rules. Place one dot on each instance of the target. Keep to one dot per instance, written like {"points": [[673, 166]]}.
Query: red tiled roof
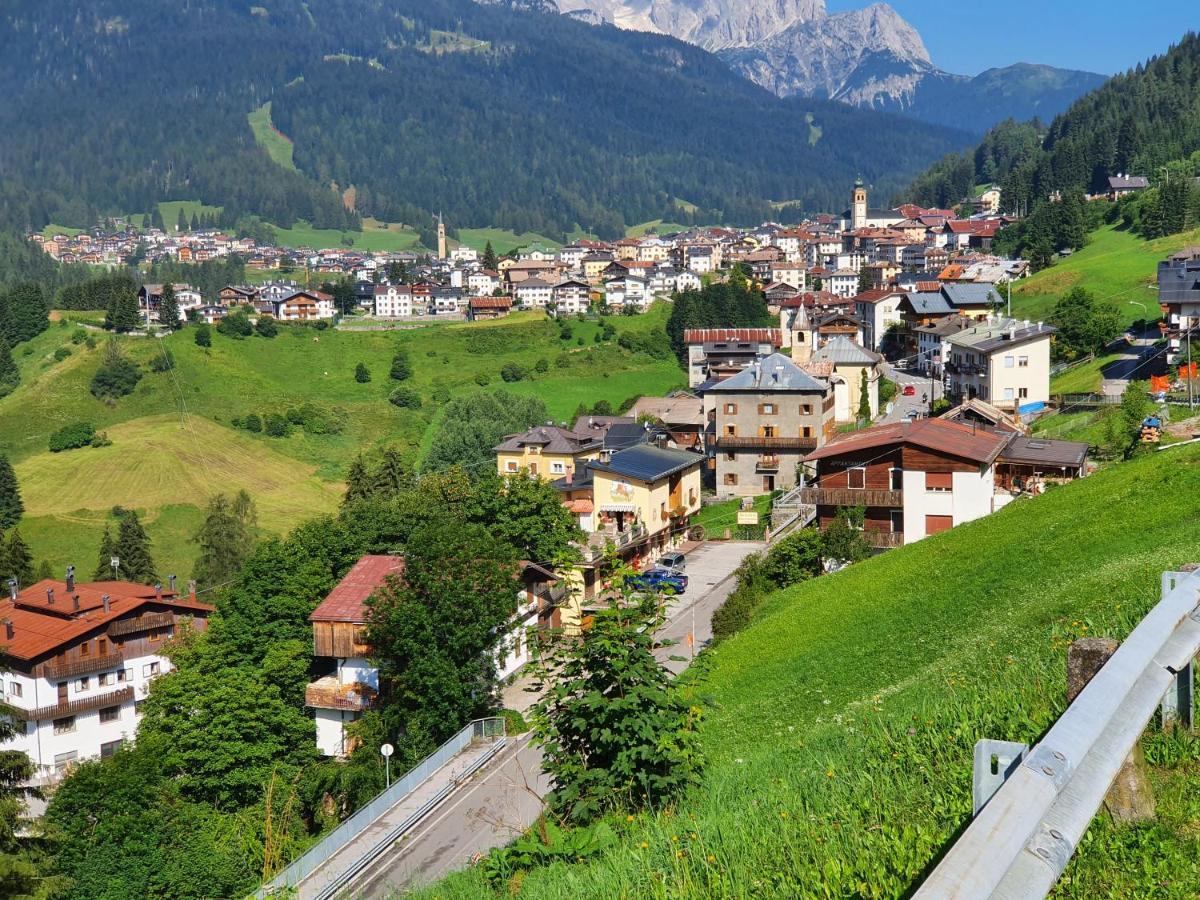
{"points": [[346, 602], [491, 303], [710, 335], [935, 435], [875, 295], [40, 628]]}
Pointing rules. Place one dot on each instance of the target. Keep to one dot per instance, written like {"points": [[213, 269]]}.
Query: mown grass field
{"points": [[278, 146], [174, 445], [373, 237], [1116, 266], [503, 240], [841, 724], [1084, 378]]}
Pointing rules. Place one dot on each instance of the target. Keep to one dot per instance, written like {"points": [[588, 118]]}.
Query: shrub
{"points": [[164, 362], [275, 425], [361, 373], [405, 398], [483, 379], [441, 394], [316, 419], [90, 342], [236, 325], [61, 353], [266, 327], [512, 371], [71, 437], [203, 336], [401, 369], [321, 325], [562, 361], [252, 423], [79, 335], [115, 378], [542, 366], [101, 439]]}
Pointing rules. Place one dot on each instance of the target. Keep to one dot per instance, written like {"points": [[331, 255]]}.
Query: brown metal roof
{"points": [[347, 601], [713, 335], [935, 435], [1040, 451]]}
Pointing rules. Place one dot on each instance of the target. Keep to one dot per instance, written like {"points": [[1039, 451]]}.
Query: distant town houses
{"points": [[860, 252]]}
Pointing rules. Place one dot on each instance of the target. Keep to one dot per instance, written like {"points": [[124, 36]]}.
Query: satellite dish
{"points": [[387, 750]]}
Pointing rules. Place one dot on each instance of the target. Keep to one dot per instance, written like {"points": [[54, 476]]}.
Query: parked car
{"points": [[912, 415], [673, 559], [657, 579], [909, 390]]}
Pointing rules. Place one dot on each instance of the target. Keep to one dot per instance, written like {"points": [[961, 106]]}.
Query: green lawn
{"points": [[1116, 266], [658, 226], [391, 237], [716, 517], [840, 724], [502, 239], [156, 462], [1082, 379], [277, 144], [170, 211]]}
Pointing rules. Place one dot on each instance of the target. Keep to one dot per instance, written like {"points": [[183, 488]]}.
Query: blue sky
{"points": [[968, 36]]}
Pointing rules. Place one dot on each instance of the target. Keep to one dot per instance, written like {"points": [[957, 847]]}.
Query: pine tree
{"points": [[864, 279], [11, 507], [122, 313], [133, 549], [10, 375], [361, 373], [490, 261], [358, 481], [108, 550], [20, 559], [23, 310], [44, 571], [864, 399], [145, 220], [225, 539], [181, 222], [401, 366], [195, 223], [168, 309], [390, 478]]}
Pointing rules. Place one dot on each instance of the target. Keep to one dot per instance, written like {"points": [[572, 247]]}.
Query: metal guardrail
{"points": [[1023, 837], [348, 831]]}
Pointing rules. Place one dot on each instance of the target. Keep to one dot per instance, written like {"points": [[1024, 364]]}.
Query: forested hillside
{"points": [[489, 114]]}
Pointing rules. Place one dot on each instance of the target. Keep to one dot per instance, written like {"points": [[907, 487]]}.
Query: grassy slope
{"points": [[278, 146], [378, 237], [503, 240], [842, 722], [181, 468], [1116, 266]]}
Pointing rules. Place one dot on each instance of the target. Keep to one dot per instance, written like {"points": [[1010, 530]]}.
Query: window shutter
{"points": [[939, 481]]}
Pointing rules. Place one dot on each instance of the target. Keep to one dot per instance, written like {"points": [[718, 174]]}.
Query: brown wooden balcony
{"points": [[852, 497], [884, 540], [725, 442], [79, 705], [145, 622], [768, 462], [85, 665], [329, 693]]}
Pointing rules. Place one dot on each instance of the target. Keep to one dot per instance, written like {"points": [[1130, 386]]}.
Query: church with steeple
{"points": [[860, 215]]}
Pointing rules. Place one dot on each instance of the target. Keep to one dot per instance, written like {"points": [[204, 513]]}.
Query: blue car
{"points": [[658, 579]]}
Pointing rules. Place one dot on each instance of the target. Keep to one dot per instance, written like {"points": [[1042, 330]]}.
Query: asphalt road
{"points": [[922, 387], [1130, 364], [504, 798]]}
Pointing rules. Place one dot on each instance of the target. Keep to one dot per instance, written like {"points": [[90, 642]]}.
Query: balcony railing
{"points": [[851, 497], [84, 665], [329, 693], [768, 463], [74, 707], [884, 540], [965, 369], [141, 623], [725, 442]]}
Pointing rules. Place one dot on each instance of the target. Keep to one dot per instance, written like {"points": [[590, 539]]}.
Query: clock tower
{"points": [[858, 209]]}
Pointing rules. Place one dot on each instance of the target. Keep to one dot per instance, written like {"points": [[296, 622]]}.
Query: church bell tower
{"points": [[858, 209]]}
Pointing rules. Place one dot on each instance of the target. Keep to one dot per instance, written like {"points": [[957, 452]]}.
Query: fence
{"points": [[342, 836], [1023, 836]]}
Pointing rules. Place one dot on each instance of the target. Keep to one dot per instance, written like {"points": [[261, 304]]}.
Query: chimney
{"points": [[70, 579], [105, 600], [8, 629], [12, 589], [1039, 326], [158, 591], [50, 596], [171, 582], [75, 602], [192, 589]]}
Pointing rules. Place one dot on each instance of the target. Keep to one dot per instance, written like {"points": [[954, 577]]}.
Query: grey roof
{"points": [[551, 439], [1040, 451], [772, 373], [969, 293], [596, 427], [621, 436], [933, 303], [986, 337], [843, 351], [648, 463]]}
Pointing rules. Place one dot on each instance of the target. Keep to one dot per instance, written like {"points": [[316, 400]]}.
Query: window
{"points": [[767, 409], [558, 468], [1022, 362], [125, 675], [101, 646], [896, 479], [150, 670], [510, 466], [769, 431], [156, 635], [107, 678], [137, 707], [730, 431], [806, 409], [65, 725], [110, 714], [939, 481], [14, 689], [806, 431], [896, 520], [730, 457], [1022, 393], [1009, 362], [82, 685], [64, 761], [730, 478], [856, 478], [84, 648], [111, 748], [937, 524], [731, 409], [1008, 393]]}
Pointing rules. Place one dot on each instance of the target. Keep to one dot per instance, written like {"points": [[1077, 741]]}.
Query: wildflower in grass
{"points": [[711, 858], [629, 818], [829, 774], [644, 845]]}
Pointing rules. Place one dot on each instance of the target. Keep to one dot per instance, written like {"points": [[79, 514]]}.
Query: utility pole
{"points": [[1191, 399]]}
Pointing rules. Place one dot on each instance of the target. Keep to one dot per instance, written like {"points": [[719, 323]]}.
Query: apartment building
{"points": [[767, 417], [79, 659], [1004, 362], [546, 451], [1179, 299]]}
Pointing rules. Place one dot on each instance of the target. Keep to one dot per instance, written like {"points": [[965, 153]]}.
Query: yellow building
{"points": [[546, 451], [642, 494]]}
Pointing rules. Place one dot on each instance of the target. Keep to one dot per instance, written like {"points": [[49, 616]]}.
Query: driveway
{"points": [[1132, 362], [504, 798]]}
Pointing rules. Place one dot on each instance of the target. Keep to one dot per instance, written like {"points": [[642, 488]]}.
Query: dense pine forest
{"points": [[488, 114]]}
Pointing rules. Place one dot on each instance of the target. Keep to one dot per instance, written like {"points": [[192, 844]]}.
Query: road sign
{"points": [[387, 750]]}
